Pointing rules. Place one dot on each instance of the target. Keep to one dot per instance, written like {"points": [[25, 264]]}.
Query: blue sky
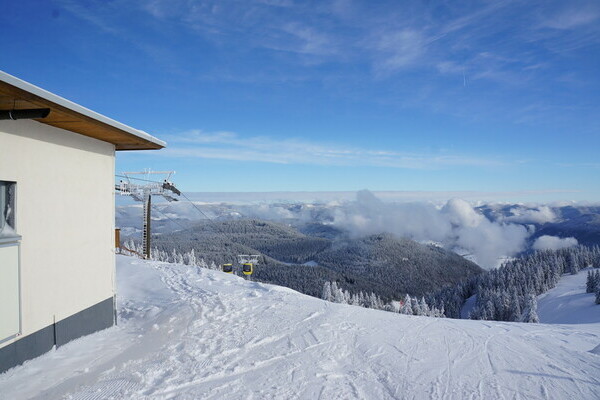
{"points": [[269, 95]]}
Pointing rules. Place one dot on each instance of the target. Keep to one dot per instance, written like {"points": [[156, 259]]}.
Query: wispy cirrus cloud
{"points": [[571, 17], [388, 38], [231, 146], [411, 55]]}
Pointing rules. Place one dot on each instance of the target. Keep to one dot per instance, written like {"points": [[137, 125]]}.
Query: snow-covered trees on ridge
{"points": [[187, 258], [409, 305], [504, 294], [530, 312]]}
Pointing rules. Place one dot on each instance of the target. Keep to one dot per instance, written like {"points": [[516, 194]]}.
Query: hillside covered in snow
{"points": [[568, 303], [384, 264], [192, 333]]}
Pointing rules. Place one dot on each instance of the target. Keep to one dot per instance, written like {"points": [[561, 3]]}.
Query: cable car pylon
{"points": [[144, 193]]}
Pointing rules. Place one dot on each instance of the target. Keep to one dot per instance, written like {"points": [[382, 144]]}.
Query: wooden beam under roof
{"points": [[17, 94]]}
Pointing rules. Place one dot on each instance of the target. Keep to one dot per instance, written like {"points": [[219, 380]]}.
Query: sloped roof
{"points": [[17, 94]]}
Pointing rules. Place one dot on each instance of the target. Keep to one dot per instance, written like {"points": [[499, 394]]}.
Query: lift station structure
{"points": [[143, 192]]}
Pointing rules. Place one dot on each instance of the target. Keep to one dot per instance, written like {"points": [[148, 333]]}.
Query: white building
{"points": [[57, 262]]}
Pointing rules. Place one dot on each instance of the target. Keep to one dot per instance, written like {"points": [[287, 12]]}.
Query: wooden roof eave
{"points": [[17, 94]]}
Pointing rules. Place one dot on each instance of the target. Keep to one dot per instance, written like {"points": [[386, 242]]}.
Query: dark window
{"points": [[7, 209]]}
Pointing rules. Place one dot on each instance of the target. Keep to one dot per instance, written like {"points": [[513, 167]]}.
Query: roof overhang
{"points": [[16, 94]]}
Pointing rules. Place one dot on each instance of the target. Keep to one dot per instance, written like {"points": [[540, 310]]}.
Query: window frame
{"points": [[10, 246], [11, 196]]}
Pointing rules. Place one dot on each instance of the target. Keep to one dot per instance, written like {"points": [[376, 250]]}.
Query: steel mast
{"points": [[144, 192]]}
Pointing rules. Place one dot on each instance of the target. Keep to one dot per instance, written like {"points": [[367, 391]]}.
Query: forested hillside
{"points": [[382, 264], [219, 240], [403, 265], [508, 293]]}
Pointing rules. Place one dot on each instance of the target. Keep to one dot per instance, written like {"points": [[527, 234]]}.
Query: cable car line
{"points": [[247, 262], [167, 217], [137, 179]]}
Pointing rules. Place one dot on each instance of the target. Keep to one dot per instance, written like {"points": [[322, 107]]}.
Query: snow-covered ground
{"points": [[192, 334], [568, 303]]}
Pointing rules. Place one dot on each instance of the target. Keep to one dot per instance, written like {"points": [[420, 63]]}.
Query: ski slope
{"points": [[199, 334], [568, 303]]}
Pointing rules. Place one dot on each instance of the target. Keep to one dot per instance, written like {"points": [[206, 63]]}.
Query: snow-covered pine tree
{"points": [[406, 307], [337, 293], [326, 295], [190, 258], [375, 301], [530, 313], [424, 307], [590, 282], [514, 311], [415, 306], [347, 297], [572, 263]]}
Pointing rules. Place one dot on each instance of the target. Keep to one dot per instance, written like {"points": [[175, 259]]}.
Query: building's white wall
{"points": [[65, 215]]}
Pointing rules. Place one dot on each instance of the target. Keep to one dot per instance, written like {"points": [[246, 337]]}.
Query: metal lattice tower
{"points": [[143, 192]]}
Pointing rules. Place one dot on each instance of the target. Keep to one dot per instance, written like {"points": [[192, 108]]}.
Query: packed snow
{"points": [[186, 333], [568, 303]]}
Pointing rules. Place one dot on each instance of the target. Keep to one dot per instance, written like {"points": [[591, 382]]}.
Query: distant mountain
{"points": [[580, 222]]}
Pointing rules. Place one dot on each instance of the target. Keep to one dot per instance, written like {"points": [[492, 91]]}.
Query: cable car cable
{"points": [[246, 270], [216, 226], [137, 179], [167, 217]]}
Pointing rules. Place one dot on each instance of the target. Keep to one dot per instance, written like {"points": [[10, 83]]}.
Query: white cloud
{"points": [[450, 67], [434, 198], [571, 18], [399, 49], [547, 242], [539, 215], [460, 213], [456, 224], [230, 146], [308, 40]]}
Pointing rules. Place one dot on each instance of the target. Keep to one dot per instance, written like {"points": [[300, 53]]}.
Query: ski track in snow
{"points": [[185, 333], [568, 303]]}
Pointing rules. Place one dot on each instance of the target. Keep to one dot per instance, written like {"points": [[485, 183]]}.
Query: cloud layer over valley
{"points": [[486, 233], [455, 225], [547, 242]]}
